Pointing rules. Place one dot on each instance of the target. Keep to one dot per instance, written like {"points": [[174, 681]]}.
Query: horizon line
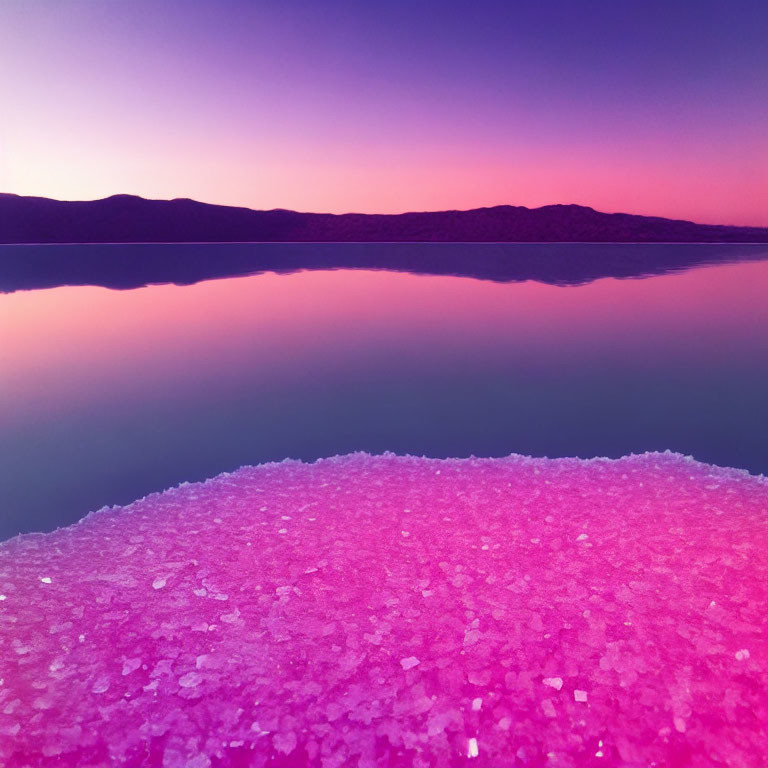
{"points": [[395, 242], [358, 213]]}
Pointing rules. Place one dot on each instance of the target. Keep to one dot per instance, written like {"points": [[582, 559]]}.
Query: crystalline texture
{"points": [[539, 612]]}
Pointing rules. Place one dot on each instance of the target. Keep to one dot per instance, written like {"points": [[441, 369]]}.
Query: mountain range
{"points": [[132, 219]]}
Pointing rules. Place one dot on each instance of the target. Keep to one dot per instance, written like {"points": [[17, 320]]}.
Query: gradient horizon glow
{"points": [[656, 108]]}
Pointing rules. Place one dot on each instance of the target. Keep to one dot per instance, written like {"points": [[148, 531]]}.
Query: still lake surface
{"points": [[107, 395]]}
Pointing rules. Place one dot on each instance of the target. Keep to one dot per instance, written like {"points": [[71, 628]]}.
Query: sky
{"points": [[649, 107]]}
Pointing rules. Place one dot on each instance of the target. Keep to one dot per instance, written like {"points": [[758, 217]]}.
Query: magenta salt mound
{"points": [[398, 611]]}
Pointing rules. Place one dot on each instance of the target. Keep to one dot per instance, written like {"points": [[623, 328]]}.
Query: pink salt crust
{"points": [[388, 611]]}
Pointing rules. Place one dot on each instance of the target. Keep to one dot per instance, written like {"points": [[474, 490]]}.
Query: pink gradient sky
{"points": [[653, 108]]}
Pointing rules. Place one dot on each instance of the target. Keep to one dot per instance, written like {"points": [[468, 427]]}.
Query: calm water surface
{"points": [[108, 395]]}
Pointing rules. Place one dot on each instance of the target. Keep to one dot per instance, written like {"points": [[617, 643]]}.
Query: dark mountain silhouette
{"points": [[478, 249], [130, 219], [27, 267]]}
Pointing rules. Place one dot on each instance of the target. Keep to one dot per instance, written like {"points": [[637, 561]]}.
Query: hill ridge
{"points": [[124, 218]]}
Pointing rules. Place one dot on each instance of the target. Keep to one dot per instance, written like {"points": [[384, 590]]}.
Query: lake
{"points": [[107, 395]]}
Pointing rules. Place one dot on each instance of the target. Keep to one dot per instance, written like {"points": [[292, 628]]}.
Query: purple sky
{"points": [[646, 107]]}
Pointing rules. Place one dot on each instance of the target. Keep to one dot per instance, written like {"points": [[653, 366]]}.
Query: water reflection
{"points": [[109, 395], [132, 266]]}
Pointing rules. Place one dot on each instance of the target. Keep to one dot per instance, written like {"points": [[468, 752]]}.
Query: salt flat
{"points": [[384, 611]]}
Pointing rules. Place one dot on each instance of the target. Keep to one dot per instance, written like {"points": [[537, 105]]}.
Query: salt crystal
{"points": [[101, 685], [472, 748], [130, 665], [190, 680], [158, 583], [308, 646], [548, 708], [285, 742]]}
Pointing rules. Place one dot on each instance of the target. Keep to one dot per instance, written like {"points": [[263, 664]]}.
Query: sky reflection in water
{"points": [[109, 395]]}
